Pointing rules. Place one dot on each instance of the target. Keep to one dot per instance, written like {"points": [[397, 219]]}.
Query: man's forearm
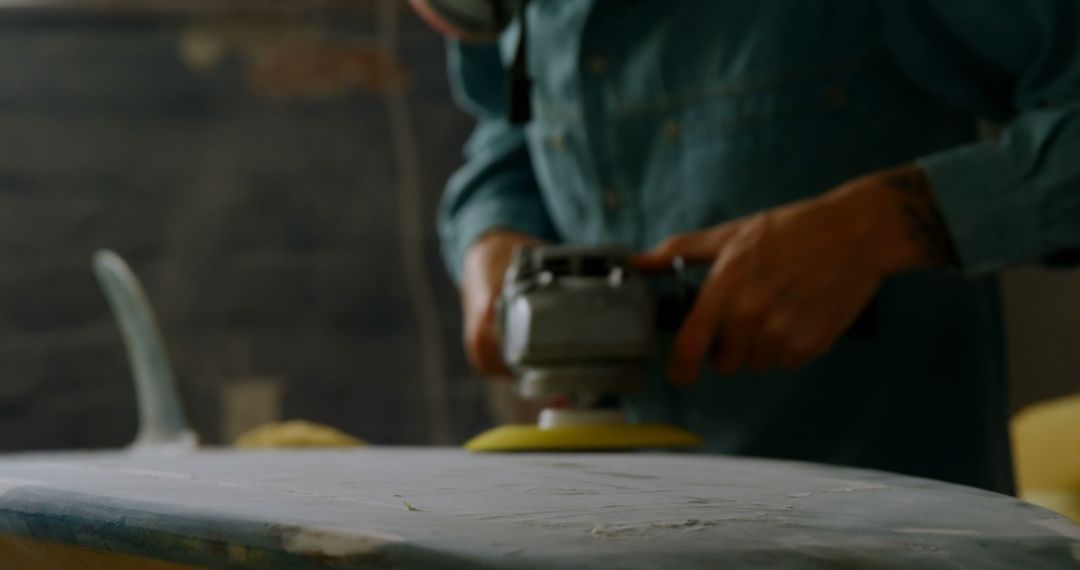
{"points": [[899, 221], [926, 227]]}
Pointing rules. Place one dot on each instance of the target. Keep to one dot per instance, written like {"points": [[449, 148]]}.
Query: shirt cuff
{"points": [[981, 195], [478, 219]]}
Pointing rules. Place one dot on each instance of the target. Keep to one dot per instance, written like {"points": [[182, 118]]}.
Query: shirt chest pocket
{"points": [[716, 156]]}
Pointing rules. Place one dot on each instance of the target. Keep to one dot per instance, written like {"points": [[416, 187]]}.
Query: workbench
{"points": [[445, 508]]}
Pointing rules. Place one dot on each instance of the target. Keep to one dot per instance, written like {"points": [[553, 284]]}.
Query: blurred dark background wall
{"points": [[1042, 313], [273, 179]]}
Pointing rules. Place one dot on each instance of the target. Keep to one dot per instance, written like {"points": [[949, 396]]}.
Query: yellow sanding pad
{"points": [[528, 437]]}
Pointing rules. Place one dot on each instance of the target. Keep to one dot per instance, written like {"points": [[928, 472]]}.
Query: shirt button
{"points": [[671, 130], [612, 199], [596, 64], [557, 141]]}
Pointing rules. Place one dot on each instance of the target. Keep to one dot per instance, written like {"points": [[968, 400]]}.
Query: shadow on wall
{"points": [[264, 178], [1042, 314]]}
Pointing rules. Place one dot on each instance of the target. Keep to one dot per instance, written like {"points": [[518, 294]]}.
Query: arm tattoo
{"points": [[925, 225]]}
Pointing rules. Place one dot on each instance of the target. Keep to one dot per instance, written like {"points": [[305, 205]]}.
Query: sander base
{"points": [[595, 437]]}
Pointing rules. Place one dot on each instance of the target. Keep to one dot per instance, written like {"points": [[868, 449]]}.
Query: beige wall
{"points": [[1042, 312]]}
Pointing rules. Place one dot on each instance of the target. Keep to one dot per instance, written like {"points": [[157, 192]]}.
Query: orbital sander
{"points": [[578, 325]]}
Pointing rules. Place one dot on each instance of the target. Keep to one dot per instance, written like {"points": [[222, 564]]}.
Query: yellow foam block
{"points": [[1063, 502], [1046, 445], [530, 437], [296, 433]]}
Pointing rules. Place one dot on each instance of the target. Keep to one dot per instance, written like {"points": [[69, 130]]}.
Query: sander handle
{"points": [[674, 305]]}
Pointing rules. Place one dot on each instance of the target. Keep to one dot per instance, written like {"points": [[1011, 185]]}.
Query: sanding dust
{"points": [[638, 530], [939, 531], [333, 542]]}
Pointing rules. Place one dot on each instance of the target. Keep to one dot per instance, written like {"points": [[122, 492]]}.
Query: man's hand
{"points": [[481, 283], [785, 283]]}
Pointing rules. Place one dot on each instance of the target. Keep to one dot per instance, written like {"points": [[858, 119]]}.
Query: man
{"points": [[819, 160]]}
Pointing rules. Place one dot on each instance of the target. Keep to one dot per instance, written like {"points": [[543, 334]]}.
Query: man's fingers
{"points": [[695, 337], [730, 351], [491, 359], [771, 340], [482, 346], [485, 353], [809, 342], [814, 341], [691, 343], [485, 265], [739, 330], [701, 325], [693, 247], [817, 332], [801, 351]]}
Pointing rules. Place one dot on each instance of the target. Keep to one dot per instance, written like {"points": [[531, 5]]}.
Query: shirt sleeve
{"points": [[496, 187], [1015, 199]]}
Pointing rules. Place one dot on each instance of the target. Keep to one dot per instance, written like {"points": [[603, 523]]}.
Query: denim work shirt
{"points": [[655, 117]]}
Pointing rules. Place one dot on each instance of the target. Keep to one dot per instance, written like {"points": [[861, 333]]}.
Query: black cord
{"points": [[520, 102]]}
